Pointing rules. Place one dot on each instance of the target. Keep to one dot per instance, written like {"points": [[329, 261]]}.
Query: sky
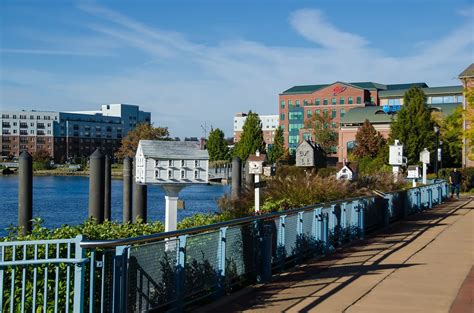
{"points": [[196, 63]]}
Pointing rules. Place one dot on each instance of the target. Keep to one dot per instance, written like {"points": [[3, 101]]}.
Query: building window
{"points": [[157, 163], [309, 113], [297, 103], [170, 174], [293, 139], [182, 163], [296, 115], [282, 104], [183, 174], [290, 103], [341, 100], [359, 100], [349, 100], [372, 100], [333, 113], [196, 163], [458, 98], [305, 102], [333, 101], [317, 101], [325, 101], [157, 174], [170, 162], [318, 112], [282, 116], [342, 112], [334, 124], [196, 174], [394, 101]]}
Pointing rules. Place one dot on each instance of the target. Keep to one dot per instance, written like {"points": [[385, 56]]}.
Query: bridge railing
{"points": [[177, 269]]}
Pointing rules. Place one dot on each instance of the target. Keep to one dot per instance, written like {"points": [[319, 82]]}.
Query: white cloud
{"points": [[185, 83]]}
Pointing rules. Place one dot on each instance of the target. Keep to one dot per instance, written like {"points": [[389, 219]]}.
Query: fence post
{"points": [[120, 279], [299, 236], [315, 229], [97, 186], [325, 231], [281, 249], [440, 194], [221, 258], [180, 271], [388, 210], [430, 197], [25, 192], [266, 248], [360, 219], [79, 275]]}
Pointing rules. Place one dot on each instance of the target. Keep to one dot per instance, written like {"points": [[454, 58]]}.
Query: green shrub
{"points": [[199, 220]]}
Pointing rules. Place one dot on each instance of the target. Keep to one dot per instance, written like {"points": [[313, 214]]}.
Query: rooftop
{"points": [[304, 89], [468, 72], [173, 150], [429, 91], [376, 115]]}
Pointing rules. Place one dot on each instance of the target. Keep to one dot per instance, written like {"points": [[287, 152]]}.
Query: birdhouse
{"points": [[171, 162], [269, 171], [256, 162], [425, 156], [414, 171], [396, 154]]}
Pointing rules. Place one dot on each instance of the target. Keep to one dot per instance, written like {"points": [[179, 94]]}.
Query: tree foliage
{"points": [[324, 134], [217, 145], [368, 141], [451, 135], [469, 117], [277, 151], [413, 125], [143, 131], [41, 156], [251, 139]]}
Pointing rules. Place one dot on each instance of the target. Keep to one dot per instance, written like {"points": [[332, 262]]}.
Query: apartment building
{"points": [[67, 135], [269, 125]]}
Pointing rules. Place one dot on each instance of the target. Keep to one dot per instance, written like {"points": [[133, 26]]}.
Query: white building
{"points": [[269, 126]]}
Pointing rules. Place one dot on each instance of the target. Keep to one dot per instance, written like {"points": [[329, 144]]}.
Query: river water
{"points": [[62, 200]]}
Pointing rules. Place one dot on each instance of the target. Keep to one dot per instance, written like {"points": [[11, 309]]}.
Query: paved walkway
{"points": [[416, 266]]}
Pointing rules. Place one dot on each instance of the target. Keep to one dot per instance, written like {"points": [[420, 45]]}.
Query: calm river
{"points": [[64, 200]]}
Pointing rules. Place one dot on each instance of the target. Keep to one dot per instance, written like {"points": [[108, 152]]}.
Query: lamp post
{"points": [[440, 154], [436, 130]]}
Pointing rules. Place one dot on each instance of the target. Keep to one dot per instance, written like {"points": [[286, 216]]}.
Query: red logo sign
{"points": [[338, 89]]}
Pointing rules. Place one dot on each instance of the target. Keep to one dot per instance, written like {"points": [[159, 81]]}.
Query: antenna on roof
{"points": [[204, 129]]}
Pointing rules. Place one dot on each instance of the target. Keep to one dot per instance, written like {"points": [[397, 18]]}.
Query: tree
{"points": [[413, 125], [368, 141], [469, 117], [324, 134], [143, 131], [277, 151], [451, 135], [41, 156], [217, 146], [251, 139]]}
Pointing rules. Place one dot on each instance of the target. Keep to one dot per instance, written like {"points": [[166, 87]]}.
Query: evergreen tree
{"points": [[413, 125], [217, 146], [368, 141], [251, 139], [277, 151]]}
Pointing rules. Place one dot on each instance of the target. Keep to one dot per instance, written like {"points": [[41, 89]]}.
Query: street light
{"points": [[436, 130]]}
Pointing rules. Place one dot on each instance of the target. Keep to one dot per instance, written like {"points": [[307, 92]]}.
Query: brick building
{"points": [[349, 104], [67, 135]]}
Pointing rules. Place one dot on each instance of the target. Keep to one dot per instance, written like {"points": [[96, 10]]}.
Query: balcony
{"points": [[6, 125]]}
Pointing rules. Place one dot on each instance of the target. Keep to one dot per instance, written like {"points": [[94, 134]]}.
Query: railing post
{"points": [[344, 216], [79, 275], [388, 210], [299, 235], [221, 256], [430, 197], [281, 249], [266, 249], [120, 279], [325, 231], [180, 271], [360, 219], [440, 194]]}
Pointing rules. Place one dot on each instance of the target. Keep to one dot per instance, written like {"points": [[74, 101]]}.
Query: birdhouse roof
{"points": [[253, 158], [413, 167], [352, 166], [173, 150]]}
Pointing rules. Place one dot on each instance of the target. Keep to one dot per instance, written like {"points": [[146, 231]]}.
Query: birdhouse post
{"points": [[425, 159], [256, 162], [172, 165]]}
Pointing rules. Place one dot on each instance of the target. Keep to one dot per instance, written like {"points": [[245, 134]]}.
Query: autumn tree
{"points": [[413, 125], [143, 131], [368, 141], [251, 139], [277, 150], [324, 134], [217, 145], [41, 160]]}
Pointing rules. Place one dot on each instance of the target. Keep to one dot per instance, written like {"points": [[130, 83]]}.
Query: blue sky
{"points": [[191, 62]]}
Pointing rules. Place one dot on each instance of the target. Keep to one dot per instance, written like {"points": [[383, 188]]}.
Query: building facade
{"points": [[67, 135], [467, 79], [269, 126], [360, 100]]}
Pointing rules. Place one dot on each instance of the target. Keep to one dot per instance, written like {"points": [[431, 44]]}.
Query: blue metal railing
{"points": [[177, 269]]}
